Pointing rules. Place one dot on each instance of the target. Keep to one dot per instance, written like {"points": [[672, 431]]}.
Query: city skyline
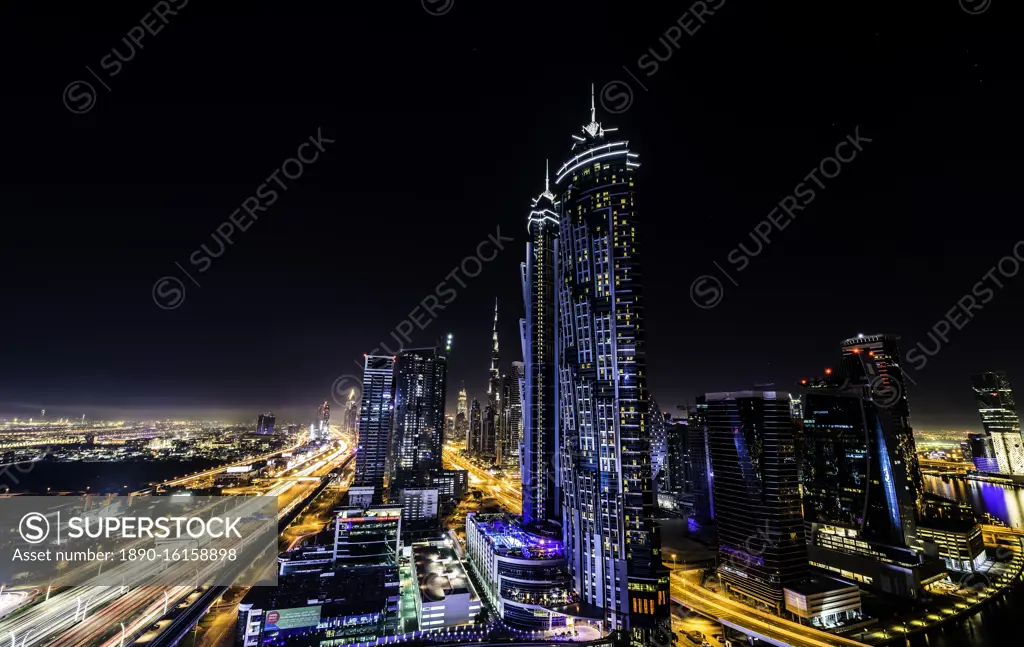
{"points": [[88, 338]]}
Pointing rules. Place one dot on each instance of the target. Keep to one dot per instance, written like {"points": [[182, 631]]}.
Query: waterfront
{"points": [[1003, 503], [997, 620], [99, 477]]}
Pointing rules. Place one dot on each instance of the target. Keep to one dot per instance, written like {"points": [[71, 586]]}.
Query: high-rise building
{"points": [[417, 422], [613, 544], [474, 438], [540, 472], [513, 417], [757, 498], [861, 497], [994, 400], [1009, 452], [323, 420], [659, 441], [463, 402], [265, 423], [490, 439], [873, 362], [375, 423], [995, 403]]}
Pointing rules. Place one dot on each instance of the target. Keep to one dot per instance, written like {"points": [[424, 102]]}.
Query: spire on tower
{"points": [[593, 113], [547, 176]]}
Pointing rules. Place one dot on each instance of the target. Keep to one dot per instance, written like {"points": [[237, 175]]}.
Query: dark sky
{"points": [[441, 127]]}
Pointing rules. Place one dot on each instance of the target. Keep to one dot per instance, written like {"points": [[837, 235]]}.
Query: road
{"points": [[507, 493], [773, 629], [93, 615]]}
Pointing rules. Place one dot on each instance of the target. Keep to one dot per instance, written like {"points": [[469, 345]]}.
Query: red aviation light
{"points": [[828, 371]]}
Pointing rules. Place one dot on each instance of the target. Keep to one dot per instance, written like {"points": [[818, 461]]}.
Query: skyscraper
{"points": [[540, 474], [514, 417], [994, 400], [323, 419], [418, 418], [861, 482], [265, 423], [475, 436], [604, 424], [375, 423], [757, 497], [462, 417], [659, 441], [489, 439], [873, 362]]}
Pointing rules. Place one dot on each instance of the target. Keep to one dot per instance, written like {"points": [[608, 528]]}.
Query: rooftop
{"points": [[440, 573], [507, 536]]}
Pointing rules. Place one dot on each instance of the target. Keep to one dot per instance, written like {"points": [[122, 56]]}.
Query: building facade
{"points": [[872, 363], [539, 471], [998, 411], [323, 421], [603, 401], [375, 423], [417, 421], [757, 497], [524, 574], [265, 423]]}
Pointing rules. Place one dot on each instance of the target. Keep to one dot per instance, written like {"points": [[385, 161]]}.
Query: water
{"points": [[1004, 503], [98, 477], [998, 622]]}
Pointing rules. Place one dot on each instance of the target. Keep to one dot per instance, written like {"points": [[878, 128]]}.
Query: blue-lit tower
{"points": [[603, 401], [540, 475]]}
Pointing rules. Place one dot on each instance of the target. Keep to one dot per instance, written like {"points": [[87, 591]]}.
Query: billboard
{"points": [[281, 619], [239, 469]]}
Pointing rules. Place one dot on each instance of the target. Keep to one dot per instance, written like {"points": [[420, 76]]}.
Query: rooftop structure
{"points": [[446, 596]]}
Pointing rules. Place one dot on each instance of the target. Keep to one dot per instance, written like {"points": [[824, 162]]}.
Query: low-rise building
{"points": [[446, 596], [823, 601], [523, 573]]}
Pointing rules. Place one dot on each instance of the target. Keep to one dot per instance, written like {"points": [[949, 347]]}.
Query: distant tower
{"points": [[323, 418], [375, 423], [514, 416], [490, 438], [999, 418], [474, 437], [264, 424], [351, 412], [463, 403]]}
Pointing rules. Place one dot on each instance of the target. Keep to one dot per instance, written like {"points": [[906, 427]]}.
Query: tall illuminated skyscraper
{"points": [[761, 546], [463, 402], [323, 421], [604, 423], [513, 416], [418, 419], [999, 418], [874, 362], [490, 446], [539, 472], [375, 423]]}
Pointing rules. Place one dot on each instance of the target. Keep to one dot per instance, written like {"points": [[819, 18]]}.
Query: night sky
{"points": [[441, 125]]}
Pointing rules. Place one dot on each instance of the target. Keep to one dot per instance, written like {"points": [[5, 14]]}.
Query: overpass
{"points": [[190, 617], [747, 620]]}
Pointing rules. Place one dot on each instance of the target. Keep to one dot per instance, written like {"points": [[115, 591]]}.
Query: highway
{"points": [[92, 615], [508, 493], [773, 629]]}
